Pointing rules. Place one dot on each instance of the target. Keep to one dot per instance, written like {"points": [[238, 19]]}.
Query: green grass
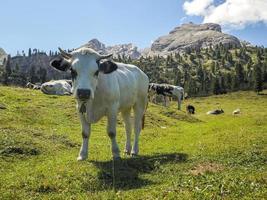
{"points": [[181, 156]]}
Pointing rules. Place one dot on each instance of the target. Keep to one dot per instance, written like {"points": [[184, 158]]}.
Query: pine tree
{"points": [[229, 81], [216, 87], [43, 75], [223, 85], [30, 52], [17, 68], [258, 82], [33, 75], [239, 73], [212, 66], [7, 72]]}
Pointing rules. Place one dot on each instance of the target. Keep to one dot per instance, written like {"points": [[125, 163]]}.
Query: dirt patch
{"points": [[203, 168], [181, 117], [63, 140], [45, 189], [153, 120], [15, 150], [2, 106]]}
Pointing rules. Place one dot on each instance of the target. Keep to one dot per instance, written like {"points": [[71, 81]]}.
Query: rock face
{"points": [[192, 36], [37, 62], [3, 57], [96, 45], [128, 50]]}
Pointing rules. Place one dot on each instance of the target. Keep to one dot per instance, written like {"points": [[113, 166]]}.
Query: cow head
{"points": [[84, 64]]}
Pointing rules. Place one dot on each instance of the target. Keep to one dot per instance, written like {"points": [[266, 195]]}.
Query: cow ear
{"points": [[60, 64], [107, 67]]}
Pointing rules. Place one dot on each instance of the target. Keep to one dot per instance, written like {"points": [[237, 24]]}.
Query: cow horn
{"points": [[105, 56], [100, 57], [64, 53]]}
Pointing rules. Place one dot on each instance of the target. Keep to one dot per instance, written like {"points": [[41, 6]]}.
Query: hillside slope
{"points": [[181, 156]]}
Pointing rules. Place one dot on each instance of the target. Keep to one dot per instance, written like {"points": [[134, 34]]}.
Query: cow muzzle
{"points": [[83, 94]]}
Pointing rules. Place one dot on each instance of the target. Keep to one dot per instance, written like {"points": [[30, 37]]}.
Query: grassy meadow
{"points": [[181, 156]]}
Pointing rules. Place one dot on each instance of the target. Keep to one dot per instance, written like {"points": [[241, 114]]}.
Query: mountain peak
{"points": [[95, 44], [192, 36], [128, 50]]}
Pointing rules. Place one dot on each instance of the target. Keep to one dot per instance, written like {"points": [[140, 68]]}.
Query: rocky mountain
{"points": [[36, 63], [191, 36], [96, 45], [128, 50], [180, 39]]}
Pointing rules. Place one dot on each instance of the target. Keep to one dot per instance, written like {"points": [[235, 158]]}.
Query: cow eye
{"points": [[73, 74]]}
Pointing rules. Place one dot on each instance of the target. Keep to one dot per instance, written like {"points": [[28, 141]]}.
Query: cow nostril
{"points": [[83, 93]]}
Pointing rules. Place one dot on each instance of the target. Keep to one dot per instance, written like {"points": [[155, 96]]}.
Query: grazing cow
{"points": [[105, 89], [190, 109], [57, 87], [168, 91], [215, 112]]}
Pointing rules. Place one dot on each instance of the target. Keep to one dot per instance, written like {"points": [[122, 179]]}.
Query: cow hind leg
{"points": [[139, 110], [126, 115]]}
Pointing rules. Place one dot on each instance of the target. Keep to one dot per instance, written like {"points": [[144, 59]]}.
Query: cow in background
{"points": [[190, 109], [167, 90], [57, 87]]}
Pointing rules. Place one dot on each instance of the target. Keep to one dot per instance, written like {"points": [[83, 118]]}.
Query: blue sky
{"points": [[48, 24]]}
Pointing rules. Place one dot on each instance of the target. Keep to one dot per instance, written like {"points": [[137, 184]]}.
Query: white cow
{"points": [[168, 91], [105, 89], [57, 87]]}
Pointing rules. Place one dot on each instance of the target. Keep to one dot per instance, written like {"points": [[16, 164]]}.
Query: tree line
{"points": [[214, 70]]}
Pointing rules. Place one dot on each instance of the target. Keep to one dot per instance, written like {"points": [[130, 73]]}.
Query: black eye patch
{"points": [[73, 74]]}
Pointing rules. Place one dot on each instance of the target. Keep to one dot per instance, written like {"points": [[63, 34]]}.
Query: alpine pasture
{"points": [[181, 156]]}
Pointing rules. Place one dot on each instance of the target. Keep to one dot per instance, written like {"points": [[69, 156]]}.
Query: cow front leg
{"points": [[179, 103], [111, 130], [86, 131], [165, 100]]}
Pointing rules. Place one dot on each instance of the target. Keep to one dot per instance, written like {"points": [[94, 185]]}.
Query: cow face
{"points": [[84, 64]]}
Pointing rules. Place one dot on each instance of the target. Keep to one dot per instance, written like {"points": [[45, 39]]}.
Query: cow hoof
{"points": [[117, 158], [134, 155], [80, 158], [126, 152]]}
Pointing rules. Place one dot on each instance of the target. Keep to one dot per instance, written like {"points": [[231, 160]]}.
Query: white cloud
{"points": [[234, 13], [197, 7]]}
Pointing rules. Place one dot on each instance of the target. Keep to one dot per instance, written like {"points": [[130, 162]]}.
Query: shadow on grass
{"points": [[127, 171]]}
